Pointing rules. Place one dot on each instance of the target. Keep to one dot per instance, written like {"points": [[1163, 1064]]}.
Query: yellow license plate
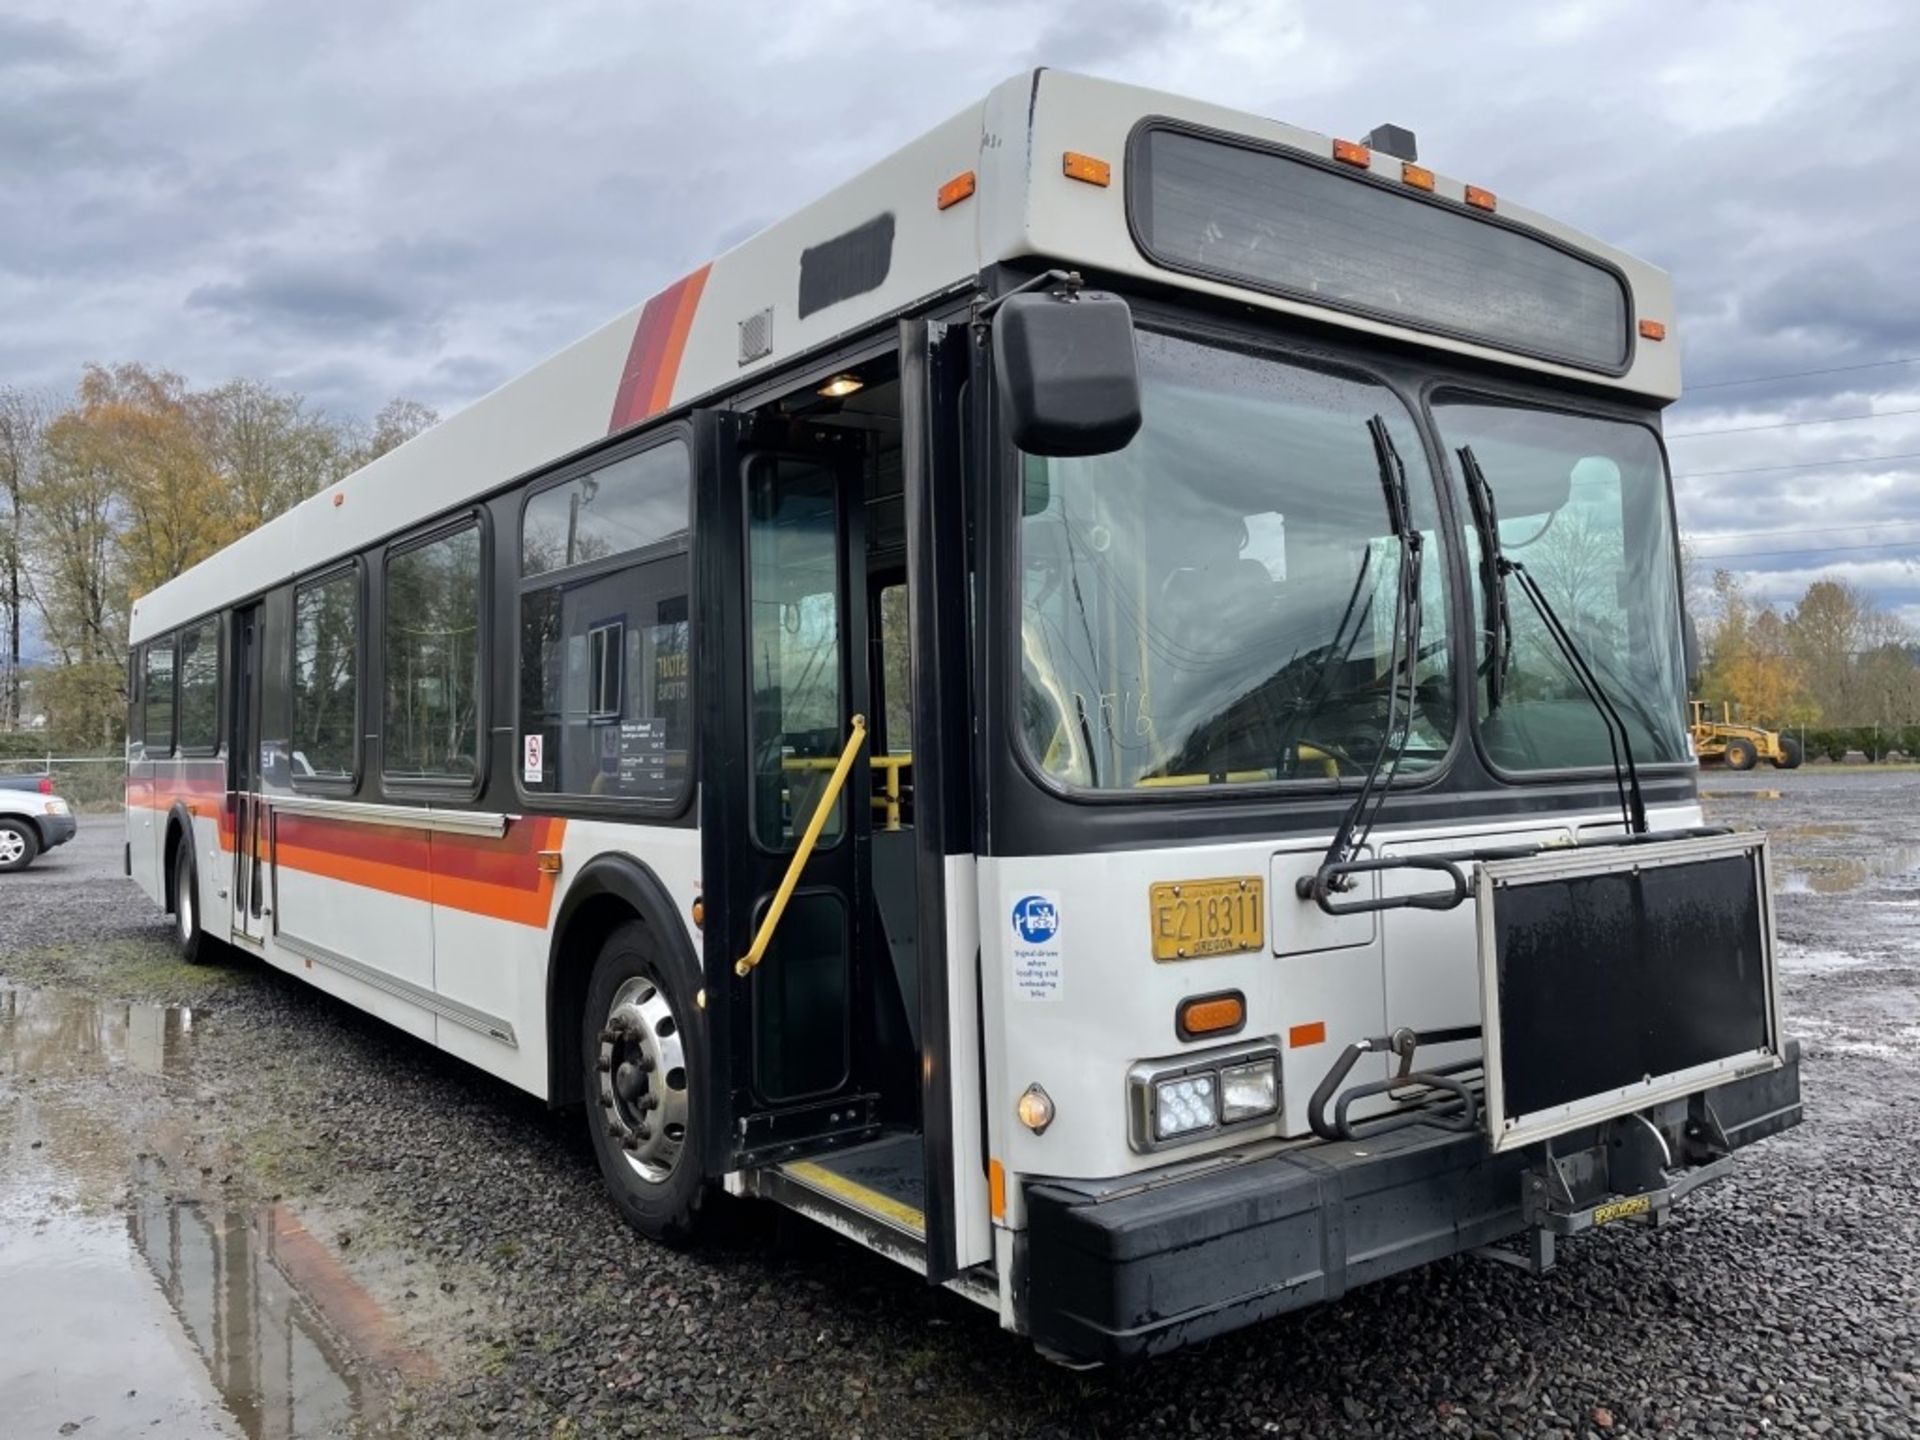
{"points": [[1621, 1209], [1195, 918]]}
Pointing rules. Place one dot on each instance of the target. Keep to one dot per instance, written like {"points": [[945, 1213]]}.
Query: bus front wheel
{"points": [[640, 1085]]}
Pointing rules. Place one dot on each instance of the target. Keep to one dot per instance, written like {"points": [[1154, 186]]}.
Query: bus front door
{"points": [[249, 815], [783, 583]]}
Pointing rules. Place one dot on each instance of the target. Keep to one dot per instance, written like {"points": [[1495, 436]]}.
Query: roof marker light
{"points": [[955, 190], [1417, 176], [1653, 330], [1480, 199], [1076, 166], [1352, 153]]}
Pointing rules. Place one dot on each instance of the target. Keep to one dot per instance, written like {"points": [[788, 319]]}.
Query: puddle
{"points": [[146, 1311], [1839, 874]]}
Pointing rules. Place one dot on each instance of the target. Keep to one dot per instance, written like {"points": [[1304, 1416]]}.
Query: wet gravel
{"points": [[1785, 1302]]}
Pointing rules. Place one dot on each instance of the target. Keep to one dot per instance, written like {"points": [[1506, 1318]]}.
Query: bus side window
{"points": [[157, 725], [433, 662]]}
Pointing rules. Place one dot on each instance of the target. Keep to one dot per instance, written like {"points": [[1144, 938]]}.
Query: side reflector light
{"points": [[547, 862], [1312, 1033], [997, 1189], [1249, 1090], [956, 190], [1417, 176], [1352, 153], [1035, 1109], [1204, 1015], [1653, 330], [1480, 199], [1076, 166]]}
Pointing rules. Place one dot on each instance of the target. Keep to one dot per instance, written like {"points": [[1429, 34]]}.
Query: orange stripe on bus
{"points": [[653, 359], [676, 343]]}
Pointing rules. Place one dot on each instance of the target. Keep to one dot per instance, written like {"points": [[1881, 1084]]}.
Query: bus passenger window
{"points": [[200, 686], [432, 729], [157, 729], [326, 644]]}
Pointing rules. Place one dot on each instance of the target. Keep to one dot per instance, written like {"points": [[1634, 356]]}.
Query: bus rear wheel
{"points": [[642, 1095]]}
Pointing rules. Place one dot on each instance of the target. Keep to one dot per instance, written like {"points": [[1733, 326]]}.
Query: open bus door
{"points": [[250, 902]]}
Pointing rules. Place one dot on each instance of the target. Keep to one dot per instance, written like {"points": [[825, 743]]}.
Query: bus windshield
{"points": [[1581, 502], [1214, 605]]}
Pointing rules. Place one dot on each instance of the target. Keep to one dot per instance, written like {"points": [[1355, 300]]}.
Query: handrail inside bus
{"points": [[744, 965]]}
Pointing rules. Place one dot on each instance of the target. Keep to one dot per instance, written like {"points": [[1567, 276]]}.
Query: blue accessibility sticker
{"points": [[1036, 919]]}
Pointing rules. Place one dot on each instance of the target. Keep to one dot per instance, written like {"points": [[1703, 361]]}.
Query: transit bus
{"points": [[1101, 710]]}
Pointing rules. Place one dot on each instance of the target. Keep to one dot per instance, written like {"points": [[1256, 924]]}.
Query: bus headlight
{"points": [[1249, 1091], [1188, 1097]]}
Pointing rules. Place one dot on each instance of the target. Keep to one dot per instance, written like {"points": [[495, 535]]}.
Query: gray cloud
{"points": [[359, 201]]}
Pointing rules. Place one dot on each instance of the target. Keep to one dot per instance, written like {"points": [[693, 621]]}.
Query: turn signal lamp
{"points": [[1653, 330], [1035, 1109], [1352, 152], [1205, 1015]]}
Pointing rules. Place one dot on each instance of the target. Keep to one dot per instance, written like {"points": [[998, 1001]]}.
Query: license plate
{"points": [[1196, 918]]}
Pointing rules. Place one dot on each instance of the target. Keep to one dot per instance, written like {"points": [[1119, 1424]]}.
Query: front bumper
{"points": [[56, 829], [1113, 1271]]}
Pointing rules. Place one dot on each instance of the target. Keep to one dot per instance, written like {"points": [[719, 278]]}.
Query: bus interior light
{"points": [[1351, 152], [842, 385], [1076, 166]]}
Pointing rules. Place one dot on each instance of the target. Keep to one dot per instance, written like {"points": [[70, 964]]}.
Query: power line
{"points": [[1800, 530], [1803, 374], [1810, 550], [1802, 465], [1790, 424]]}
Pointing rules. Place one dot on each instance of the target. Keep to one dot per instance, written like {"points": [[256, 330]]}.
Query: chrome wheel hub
{"points": [[183, 909], [12, 846], [643, 1079]]}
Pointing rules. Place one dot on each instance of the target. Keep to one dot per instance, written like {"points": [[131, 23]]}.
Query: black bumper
{"points": [[56, 829], [1114, 1271]]}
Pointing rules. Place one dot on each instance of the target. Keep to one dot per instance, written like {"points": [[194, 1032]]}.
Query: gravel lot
{"points": [[496, 1292]]}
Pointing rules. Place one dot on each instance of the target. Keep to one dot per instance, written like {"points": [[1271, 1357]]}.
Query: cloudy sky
{"points": [[361, 198]]}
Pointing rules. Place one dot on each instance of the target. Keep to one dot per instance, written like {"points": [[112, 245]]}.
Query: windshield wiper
{"points": [[1626, 774], [1343, 854], [1486, 525]]}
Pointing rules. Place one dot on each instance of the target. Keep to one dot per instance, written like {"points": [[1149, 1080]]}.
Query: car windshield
{"points": [[1214, 605], [1582, 504]]}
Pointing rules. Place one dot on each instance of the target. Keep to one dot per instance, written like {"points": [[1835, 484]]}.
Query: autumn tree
{"points": [[1751, 661], [23, 423]]}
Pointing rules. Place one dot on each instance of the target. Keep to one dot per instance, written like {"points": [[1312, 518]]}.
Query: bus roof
{"points": [[990, 185]]}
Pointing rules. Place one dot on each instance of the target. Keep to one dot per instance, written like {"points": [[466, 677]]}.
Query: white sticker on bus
{"points": [[535, 760], [1037, 969]]}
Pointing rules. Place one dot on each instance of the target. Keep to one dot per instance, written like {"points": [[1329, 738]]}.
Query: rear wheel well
{"points": [[170, 865], [575, 950]]}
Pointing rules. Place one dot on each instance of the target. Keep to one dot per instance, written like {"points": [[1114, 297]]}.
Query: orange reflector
{"points": [[339, 499], [1653, 330], [1352, 152], [1210, 1015], [1076, 166], [956, 189], [1301, 1036], [699, 914], [1480, 199], [997, 1189], [1417, 176], [548, 862]]}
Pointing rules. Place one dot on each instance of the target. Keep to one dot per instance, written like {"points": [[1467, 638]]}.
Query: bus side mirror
{"points": [[1068, 373]]}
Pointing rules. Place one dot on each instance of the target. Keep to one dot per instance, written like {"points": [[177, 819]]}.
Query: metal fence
{"points": [[90, 782]]}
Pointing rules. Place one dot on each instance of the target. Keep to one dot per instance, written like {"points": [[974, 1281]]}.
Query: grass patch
{"points": [[129, 968]]}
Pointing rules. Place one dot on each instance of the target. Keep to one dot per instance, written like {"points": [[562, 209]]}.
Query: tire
{"points": [[1740, 754], [188, 936], [645, 1088], [19, 843], [1790, 756]]}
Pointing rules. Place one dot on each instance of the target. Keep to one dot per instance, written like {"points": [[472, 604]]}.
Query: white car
{"points": [[32, 820]]}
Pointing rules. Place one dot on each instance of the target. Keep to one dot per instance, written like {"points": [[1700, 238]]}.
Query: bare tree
{"points": [[23, 426]]}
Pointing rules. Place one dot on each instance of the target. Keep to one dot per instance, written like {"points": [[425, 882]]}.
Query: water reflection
{"points": [[1839, 874], [232, 1280], [126, 1307]]}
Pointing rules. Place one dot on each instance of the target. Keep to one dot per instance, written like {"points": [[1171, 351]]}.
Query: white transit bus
{"points": [[1101, 710]]}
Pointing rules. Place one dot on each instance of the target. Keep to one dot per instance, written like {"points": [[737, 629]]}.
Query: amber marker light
{"points": [[699, 914], [1352, 152], [1418, 176], [1076, 166], [1653, 330], [1205, 1015], [955, 190], [1480, 199]]}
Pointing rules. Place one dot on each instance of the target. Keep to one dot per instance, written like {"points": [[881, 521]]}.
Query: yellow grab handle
{"points": [[744, 965]]}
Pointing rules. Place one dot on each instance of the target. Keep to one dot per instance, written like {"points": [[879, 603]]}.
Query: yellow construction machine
{"points": [[1740, 747]]}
